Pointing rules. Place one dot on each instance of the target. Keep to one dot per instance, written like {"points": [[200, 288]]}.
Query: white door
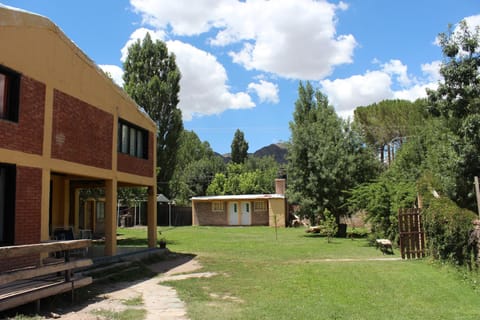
{"points": [[246, 216], [233, 214]]}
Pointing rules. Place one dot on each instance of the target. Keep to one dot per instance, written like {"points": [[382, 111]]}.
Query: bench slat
{"points": [[42, 292], [12, 276], [37, 248]]}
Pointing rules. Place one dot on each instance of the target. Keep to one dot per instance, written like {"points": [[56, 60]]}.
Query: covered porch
{"points": [[70, 217]]}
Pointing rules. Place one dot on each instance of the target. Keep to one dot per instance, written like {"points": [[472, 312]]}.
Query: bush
{"points": [[447, 229]]}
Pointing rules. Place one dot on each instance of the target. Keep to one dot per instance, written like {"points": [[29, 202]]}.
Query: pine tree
{"points": [[239, 147]]}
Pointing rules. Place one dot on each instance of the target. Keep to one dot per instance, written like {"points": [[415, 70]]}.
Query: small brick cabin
{"points": [[64, 126], [242, 210]]}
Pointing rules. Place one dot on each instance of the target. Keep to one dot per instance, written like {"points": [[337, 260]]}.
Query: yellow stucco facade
{"points": [[37, 49]]}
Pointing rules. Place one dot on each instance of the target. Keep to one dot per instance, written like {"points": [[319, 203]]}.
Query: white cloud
{"points": [[293, 39], [432, 70], [473, 21], [374, 86], [265, 90], [358, 90], [203, 84], [397, 68], [185, 18], [115, 72], [139, 34]]}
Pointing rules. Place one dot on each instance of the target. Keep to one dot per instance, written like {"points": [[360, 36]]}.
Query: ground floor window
{"points": [[7, 203]]}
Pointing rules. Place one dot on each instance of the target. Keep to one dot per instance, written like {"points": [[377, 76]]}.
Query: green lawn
{"points": [[260, 277]]}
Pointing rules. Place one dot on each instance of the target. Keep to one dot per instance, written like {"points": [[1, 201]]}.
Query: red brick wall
{"points": [[28, 205], [206, 217], [134, 165], [27, 134], [81, 133]]}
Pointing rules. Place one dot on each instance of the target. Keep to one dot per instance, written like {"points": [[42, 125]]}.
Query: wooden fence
{"points": [[412, 235]]}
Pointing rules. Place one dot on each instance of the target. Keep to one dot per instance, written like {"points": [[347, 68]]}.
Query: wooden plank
{"points": [[43, 292], [12, 276], [53, 246]]}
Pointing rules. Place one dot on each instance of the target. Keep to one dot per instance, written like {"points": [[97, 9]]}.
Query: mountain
{"points": [[277, 150]]}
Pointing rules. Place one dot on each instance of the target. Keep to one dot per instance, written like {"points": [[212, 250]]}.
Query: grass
{"points": [[121, 315], [290, 278]]}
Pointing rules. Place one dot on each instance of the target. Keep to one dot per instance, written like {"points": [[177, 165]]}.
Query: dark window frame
{"points": [[129, 142], [9, 106], [9, 195]]}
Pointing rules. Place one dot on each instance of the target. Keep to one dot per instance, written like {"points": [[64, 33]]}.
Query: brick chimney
{"points": [[280, 186]]}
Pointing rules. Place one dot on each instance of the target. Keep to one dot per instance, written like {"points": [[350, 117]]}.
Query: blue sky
{"points": [[241, 61]]}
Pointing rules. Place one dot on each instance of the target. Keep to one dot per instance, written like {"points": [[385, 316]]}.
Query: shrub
{"points": [[447, 229]]}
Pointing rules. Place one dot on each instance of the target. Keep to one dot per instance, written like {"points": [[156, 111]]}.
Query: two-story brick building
{"points": [[64, 125]]}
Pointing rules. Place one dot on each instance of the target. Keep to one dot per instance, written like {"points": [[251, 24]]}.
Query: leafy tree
{"points": [[325, 157], [196, 167], [457, 102], [387, 124], [152, 79], [329, 224], [239, 147], [257, 176]]}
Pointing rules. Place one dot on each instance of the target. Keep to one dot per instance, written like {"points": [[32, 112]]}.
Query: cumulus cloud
{"points": [[349, 93], [139, 34], [265, 90], [204, 89], [374, 86], [270, 40], [115, 72], [203, 86]]}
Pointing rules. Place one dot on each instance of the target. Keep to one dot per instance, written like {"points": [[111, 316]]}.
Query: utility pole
{"points": [[477, 192]]}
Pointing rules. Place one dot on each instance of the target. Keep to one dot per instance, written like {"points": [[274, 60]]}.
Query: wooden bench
{"points": [[384, 245], [21, 286]]}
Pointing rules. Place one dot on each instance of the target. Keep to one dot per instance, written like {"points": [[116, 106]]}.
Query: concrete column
{"points": [[110, 217], [152, 217]]}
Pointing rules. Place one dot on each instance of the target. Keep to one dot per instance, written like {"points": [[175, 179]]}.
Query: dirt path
{"points": [[160, 301]]}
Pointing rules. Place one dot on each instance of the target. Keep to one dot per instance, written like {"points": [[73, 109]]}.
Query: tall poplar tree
{"points": [[152, 79], [325, 157], [239, 147]]}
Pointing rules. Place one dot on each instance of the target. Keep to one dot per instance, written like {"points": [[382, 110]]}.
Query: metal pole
{"points": [[477, 192], [169, 213]]}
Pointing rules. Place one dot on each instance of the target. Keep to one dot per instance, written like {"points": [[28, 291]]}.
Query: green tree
{"points": [[387, 124], [196, 167], [325, 157], [152, 79], [239, 147], [257, 176], [457, 102]]}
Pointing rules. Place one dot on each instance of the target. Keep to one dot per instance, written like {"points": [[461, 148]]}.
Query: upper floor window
{"points": [[132, 140], [9, 94]]}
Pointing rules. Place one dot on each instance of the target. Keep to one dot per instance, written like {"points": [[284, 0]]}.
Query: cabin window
{"points": [[217, 206], [7, 203], [9, 94], [260, 206], [132, 140]]}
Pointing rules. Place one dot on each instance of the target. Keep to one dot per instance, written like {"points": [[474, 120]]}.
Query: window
{"points": [[217, 206], [7, 203], [260, 206], [100, 211], [9, 94], [132, 140]]}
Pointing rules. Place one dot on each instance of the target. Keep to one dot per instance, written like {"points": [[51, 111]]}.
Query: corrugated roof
{"points": [[240, 197]]}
